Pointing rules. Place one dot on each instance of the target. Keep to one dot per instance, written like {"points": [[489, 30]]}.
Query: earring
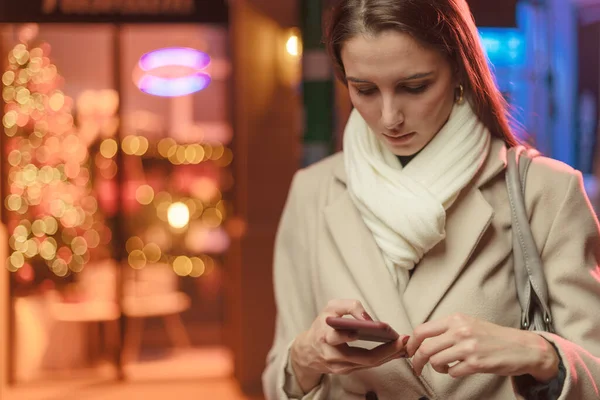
{"points": [[460, 97]]}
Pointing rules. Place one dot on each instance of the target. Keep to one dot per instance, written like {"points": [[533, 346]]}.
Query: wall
{"points": [[267, 148]]}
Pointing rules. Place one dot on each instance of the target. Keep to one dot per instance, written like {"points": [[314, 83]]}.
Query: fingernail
{"points": [[366, 316], [405, 340]]}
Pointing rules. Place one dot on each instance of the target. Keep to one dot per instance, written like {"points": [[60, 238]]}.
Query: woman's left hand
{"points": [[460, 345]]}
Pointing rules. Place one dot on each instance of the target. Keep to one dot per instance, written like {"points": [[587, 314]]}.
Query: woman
{"points": [[411, 225]]}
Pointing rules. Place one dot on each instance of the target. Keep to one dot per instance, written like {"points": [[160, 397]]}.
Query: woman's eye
{"points": [[365, 92], [416, 89]]}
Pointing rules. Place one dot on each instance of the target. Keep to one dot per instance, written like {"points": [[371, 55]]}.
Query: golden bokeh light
{"points": [[162, 211], [22, 96], [17, 259], [144, 194], [198, 267], [48, 249], [20, 244], [152, 252], [14, 202], [192, 206], [134, 243], [198, 153], [180, 155], [77, 263], [8, 95], [182, 266], [165, 146], [108, 148], [135, 145], [51, 225], [217, 152], [46, 174], [92, 238], [208, 151], [222, 207], [212, 217], [178, 215], [60, 267], [209, 264], [143, 148], [32, 247], [225, 159], [56, 101], [79, 246], [8, 78], [21, 231], [38, 228], [137, 259], [10, 119]]}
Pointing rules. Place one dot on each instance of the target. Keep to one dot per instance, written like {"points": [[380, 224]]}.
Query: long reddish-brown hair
{"points": [[445, 25]]}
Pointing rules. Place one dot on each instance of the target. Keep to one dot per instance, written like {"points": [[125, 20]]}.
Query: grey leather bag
{"points": [[532, 288]]}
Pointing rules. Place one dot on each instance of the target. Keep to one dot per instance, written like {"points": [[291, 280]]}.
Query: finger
{"points": [[335, 338], [441, 362], [400, 354], [338, 354], [376, 355], [425, 331], [343, 368], [341, 307], [429, 349], [462, 361], [461, 369]]}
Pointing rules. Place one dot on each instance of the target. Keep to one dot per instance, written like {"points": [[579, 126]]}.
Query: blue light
{"points": [[503, 46], [174, 87]]}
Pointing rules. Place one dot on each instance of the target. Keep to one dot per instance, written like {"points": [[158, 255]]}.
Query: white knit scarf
{"points": [[405, 208]]}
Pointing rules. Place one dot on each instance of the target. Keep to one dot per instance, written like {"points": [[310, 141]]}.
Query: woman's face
{"points": [[405, 92]]}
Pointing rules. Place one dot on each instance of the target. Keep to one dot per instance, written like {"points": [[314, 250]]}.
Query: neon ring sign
{"points": [[172, 72]]}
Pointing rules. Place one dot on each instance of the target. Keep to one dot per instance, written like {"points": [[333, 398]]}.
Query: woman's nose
{"points": [[391, 116]]}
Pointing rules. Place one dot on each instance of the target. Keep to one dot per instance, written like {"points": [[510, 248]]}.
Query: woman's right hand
{"points": [[324, 350]]}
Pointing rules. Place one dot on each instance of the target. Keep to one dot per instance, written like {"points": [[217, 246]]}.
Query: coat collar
{"points": [[440, 267]]}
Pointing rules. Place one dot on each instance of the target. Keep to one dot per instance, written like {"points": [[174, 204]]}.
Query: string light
{"points": [[50, 202]]}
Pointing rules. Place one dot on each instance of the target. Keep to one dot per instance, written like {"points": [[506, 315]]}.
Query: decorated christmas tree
{"points": [[51, 214]]}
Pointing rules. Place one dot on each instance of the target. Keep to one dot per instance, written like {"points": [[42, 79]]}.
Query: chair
{"points": [[153, 292]]}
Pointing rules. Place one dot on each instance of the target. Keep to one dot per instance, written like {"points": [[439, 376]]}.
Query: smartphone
{"points": [[373, 331]]}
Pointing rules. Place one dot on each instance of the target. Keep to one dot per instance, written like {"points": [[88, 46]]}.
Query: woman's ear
{"points": [[457, 75]]}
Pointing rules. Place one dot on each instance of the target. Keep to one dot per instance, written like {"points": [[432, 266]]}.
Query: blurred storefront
{"points": [[117, 152], [140, 198]]}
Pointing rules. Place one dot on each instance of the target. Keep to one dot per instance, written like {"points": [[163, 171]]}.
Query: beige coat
{"points": [[324, 251]]}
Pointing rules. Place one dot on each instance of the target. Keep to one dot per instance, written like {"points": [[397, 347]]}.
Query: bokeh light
{"points": [[178, 215]]}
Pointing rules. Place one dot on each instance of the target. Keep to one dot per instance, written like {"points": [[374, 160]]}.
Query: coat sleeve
{"points": [[571, 255], [293, 295]]}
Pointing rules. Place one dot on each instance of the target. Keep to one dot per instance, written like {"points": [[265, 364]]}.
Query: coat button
{"points": [[371, 396]]}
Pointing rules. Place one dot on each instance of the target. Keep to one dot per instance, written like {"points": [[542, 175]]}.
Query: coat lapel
{"points": [[365, 263], [434, 275], [466, 223]]}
